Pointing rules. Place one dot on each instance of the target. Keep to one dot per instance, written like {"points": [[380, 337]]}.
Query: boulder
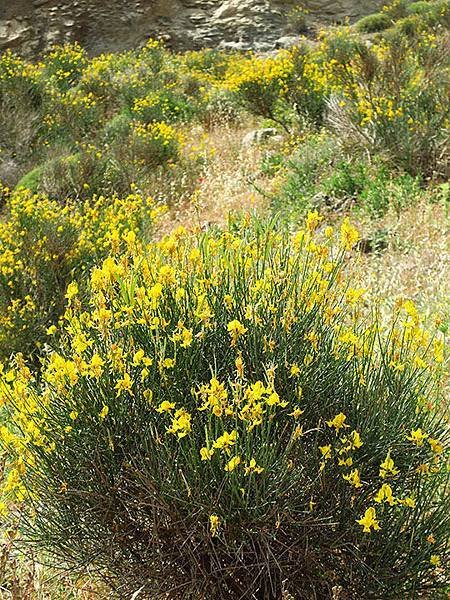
{"points": [[258, 136]]}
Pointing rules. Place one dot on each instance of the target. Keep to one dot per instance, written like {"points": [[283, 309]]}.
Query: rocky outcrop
{"points": [[32, 26]]}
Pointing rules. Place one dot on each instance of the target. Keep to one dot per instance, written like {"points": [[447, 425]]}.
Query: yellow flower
{"points": [[274, 399], [138, 356], [225, 441], [349, 235], [338, 422], [313, 220], [408, 501], [104, 412], [232, 464], [235, 329], [436, 446], [239, 366], [438, 351], [168, 363], [308, 360], [296, 413], [295, 370], [51, 330], [431, 539], [353, 295], [206, 454], [353, 478], [435, 560], [384, 494], [253, 468], [297, 433], [181, 423], [326, 451], [72, 290], [214, 523], [96, 365], [186, 338], [387, 467], [124, 385], [417, 437], [165, 406], [369, 521], [228, 301], [355, 440]]}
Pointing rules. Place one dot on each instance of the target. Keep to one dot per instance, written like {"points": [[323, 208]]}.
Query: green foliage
{"points": [[320, 175], [31, 180], [373, 23], [347, 180], [305, 169], [117, 129], [420, 8]]}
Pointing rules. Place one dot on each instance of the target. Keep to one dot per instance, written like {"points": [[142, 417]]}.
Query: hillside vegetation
{"points": [[223, 311]]}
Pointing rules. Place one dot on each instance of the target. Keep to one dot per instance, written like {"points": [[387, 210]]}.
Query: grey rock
{"points": [[32, 26], [258, 136], [287, 41]]}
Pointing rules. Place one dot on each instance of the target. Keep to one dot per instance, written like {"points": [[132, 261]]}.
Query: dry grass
{"points": [[416, 262], [227, 183], [24, 577]]}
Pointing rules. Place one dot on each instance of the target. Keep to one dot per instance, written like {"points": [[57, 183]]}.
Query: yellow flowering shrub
{"points": [[222, 419], [154, 144], [64, 65], [44, 246], [391, 97], [260, 83]]}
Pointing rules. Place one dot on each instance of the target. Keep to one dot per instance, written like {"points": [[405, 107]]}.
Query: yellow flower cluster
{"points": [[42, 242], [258, 71]]}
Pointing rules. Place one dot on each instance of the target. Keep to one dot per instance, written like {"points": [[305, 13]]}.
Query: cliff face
{"points": [[32, 26]]}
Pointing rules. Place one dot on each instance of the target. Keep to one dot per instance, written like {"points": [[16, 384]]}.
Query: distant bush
{"points": [[396, 9], [260, 84], [306, 88], [391, 98], [64, 66], [373, 23], [154, 144], [420, 8], [21, 97], [298, 20], [222, 421]]}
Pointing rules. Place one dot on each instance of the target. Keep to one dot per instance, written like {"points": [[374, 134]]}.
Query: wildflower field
{"points": [[224, 307]]}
